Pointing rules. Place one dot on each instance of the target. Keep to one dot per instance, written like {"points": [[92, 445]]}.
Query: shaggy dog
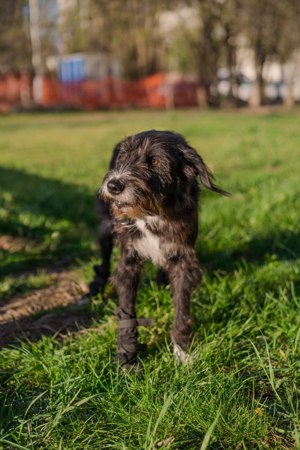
{"points": [[149, 202]]}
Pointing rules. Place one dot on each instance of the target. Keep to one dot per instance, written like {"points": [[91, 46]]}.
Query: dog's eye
{"points": [[154, 162]]}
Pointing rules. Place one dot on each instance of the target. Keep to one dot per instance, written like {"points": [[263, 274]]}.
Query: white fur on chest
{"points": [[149, 245]]}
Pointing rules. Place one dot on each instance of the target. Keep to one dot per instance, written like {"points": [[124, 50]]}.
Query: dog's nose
{"points": [[115, 186]]}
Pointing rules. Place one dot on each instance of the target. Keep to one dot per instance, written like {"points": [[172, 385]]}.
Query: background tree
{"points": [[272, 29], [15, 47], [209, 47], [196, 44], [127, 30], [231, 27]]}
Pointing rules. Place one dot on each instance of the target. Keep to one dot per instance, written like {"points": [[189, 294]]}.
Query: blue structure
{"points": [[71, 69]]}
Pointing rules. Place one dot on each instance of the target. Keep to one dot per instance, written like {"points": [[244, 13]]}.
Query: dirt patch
{"points": [[15, 244], [20, 316], [64, 290]]}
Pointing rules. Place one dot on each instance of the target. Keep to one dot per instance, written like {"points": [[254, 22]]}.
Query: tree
{"points": [[272, 29], [15, 48], [231, 24], [127, 30], [211, 44]]}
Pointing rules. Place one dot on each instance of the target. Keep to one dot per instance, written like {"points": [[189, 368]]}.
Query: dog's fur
{"points": [[149, 201]]}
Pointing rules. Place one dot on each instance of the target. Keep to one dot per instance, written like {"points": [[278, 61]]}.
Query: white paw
{"points": [[179, 354]]}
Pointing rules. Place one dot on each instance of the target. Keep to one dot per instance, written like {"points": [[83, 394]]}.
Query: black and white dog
{"points": [[149, 203]]}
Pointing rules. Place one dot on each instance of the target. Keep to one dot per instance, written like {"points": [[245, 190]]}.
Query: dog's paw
{"points": [[182, 356]]}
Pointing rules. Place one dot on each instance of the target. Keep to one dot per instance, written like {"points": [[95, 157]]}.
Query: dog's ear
{"points": [[196, 166]]}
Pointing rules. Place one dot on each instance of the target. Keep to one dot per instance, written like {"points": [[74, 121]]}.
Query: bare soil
{"points": [[15, 244], [47, 311]]}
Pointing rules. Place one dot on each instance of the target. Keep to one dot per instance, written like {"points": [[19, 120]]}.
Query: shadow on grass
{"points": [[284, 245], [58, 217], [48, 224], [258, 264], [52, 323]]}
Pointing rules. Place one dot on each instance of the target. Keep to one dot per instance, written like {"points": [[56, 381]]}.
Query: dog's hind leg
{"points": [[184, 274], [102, 271]]}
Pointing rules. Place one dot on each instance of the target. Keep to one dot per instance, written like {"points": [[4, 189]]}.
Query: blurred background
{"points": [[90, 54]]}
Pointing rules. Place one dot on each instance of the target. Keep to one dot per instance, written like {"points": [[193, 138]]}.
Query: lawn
{"points": [[60, 387]]}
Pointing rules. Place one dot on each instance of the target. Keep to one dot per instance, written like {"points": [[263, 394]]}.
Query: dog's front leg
{"points": [[184, 274], [126, 279]]}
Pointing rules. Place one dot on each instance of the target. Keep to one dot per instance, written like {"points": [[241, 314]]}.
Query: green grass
{"points": [[243, 389]]}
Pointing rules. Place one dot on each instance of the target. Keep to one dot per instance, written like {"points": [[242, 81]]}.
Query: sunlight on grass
{"points": [[243, 389]]}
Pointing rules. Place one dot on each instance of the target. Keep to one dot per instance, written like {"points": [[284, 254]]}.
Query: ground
{"points": [[60, 387]]}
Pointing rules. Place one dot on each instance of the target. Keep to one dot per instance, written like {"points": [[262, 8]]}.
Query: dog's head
{"points": [[153, 169]]}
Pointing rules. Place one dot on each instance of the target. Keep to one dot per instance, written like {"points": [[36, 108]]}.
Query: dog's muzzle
{"points": [[115, 186]]}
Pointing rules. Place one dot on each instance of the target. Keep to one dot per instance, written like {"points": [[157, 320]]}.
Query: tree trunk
{"points": [[260, 59], [289, 100], [231, 63], [37, 60], [260, 84]]}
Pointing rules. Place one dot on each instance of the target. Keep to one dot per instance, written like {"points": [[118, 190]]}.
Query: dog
{"points": [[149, 202]]}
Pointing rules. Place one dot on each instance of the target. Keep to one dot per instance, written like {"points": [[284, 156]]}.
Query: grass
{"points": [[243, 389]]}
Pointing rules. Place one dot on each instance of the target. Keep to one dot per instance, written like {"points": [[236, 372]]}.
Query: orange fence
{"points": [[15, 90], [156, 91]]}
